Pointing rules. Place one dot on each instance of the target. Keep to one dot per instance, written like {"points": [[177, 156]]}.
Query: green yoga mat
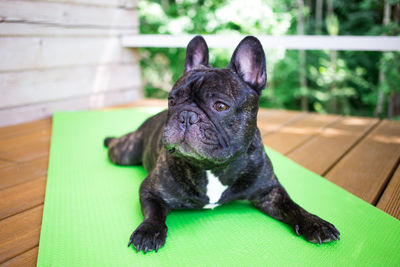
{"points": [[92, 207]]}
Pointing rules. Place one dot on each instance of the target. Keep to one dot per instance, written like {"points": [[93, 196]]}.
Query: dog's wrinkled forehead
{"points": [[207, 82]]}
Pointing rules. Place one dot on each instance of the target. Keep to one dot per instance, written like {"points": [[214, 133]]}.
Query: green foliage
{"points": [[390, 64], [345, 82]]}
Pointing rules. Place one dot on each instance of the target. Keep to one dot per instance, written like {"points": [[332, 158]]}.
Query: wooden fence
{"points": [[65, 55]]}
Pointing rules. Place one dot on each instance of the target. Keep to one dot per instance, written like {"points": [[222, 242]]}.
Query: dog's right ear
{"points": [[196, 53]]}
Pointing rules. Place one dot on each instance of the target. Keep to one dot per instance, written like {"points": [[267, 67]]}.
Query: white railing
{"points": [[297, 42]]}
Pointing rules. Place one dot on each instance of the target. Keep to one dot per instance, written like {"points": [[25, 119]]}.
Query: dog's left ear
{"points": [[196, 53], [248, 61]]}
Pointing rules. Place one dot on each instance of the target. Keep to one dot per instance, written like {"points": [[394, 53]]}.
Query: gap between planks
{"points": [[26, 259], [367, 168], [312, 155], [367, 131], [295, 133], [20, 233], [389, 179], [389, 201], [323, 150], [271, 121], [21, 197]]}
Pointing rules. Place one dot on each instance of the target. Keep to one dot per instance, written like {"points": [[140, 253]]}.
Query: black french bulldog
{"points": [[206, 149]]}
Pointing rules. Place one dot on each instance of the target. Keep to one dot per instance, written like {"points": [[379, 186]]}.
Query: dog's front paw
{"points": [[149, 236], [316, 230]]}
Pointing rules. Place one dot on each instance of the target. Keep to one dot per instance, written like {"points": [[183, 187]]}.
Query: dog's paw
{"points": [[316, 230], [149, 236]]}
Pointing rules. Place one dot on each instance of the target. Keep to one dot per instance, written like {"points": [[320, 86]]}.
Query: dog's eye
{"points": [[219, 106], [172, 102]]}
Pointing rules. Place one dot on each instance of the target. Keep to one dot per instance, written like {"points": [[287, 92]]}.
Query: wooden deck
{"points": [[359, 154]]}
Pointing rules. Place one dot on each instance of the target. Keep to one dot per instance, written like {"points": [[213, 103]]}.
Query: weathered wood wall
{"points": [[65, 55]]}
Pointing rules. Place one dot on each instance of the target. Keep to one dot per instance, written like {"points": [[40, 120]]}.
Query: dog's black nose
{"points": [[188, 118]]}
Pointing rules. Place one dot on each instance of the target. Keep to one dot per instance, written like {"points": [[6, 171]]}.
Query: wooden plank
{"points": [[17, 29], [38, 111], [20, 233], [25, 147], [26, 259], [5, 164], [111, 3], [25, 53], [22, 172], [265, 112], [273, 122], [36, 86], [291, 135], [327, 147], [53, 13], [390, 199], [22, 197], [302, 42], [365, 170], [26, 128], [27, 152], [9, 145], [145, 102]]}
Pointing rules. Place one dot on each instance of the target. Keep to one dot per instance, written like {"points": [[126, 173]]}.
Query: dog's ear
{"points": [[196, 53], [248, 61]]}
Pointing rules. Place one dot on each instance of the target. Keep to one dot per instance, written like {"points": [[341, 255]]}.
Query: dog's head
{"points": [[212, 112]]}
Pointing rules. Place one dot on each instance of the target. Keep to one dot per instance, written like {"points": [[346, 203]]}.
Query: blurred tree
{"points": [[381, 91], [302, 56], [392, 70], [318, 16]]}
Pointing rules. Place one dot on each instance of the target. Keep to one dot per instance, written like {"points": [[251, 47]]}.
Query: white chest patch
{"points": [[214, 190]]}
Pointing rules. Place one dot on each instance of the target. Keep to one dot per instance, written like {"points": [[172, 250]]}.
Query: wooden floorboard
{"points": [[270, 121], [322, 151], [293, 134], [26, 147], [366, 169], [21, 197], [359, 154], [5, 164], [20, 233], [142, 103], [24, 128], [26, 259], [17, 173], [390, 200]]}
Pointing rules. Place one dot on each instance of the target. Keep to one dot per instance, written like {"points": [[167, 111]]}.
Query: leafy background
{"points": [[342, 82]]}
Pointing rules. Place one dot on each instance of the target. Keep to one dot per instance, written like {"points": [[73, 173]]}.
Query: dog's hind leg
{"points": [[126, 150]]}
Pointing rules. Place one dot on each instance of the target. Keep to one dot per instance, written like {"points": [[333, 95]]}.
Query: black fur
{"points": [[196, 134]]}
